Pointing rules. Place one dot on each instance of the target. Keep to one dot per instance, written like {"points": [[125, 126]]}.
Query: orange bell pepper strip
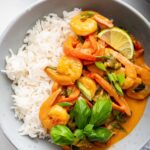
{"points": [[74, 95], [61, 79], [77, 52], [123, 105], [94, 69]]}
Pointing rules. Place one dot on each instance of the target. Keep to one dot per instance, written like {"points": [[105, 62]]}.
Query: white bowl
{"points": [[123, 15]]}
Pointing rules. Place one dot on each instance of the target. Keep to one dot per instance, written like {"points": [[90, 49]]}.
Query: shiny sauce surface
{"points": [[137, 107]]}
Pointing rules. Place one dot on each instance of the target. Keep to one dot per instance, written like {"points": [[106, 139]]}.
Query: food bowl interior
{"points": [[123, 16]]}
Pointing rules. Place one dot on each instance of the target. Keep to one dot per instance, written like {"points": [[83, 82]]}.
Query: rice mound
{"points": [[43, 46]]}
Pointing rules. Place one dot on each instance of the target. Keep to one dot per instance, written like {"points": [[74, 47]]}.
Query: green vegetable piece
{"points": [[61, 135], [86, 15], [113, 78], [88, 130], [117, 125], [82, 113], [103, 57], [79, 134], [103, 134], [118, 88], [99, 134], [101, 111], [84, 91], [100, 66], [65, 104], [119, 116], [68, 91], [121, 78]]}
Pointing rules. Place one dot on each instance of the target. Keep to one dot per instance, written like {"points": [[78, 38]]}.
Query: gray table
{"points": [[16, 6]]}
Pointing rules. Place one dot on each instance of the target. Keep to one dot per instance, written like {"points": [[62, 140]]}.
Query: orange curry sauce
{"points": [[137, 108]]}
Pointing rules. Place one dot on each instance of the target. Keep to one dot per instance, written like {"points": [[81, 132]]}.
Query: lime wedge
{"points": [[119, 40]]}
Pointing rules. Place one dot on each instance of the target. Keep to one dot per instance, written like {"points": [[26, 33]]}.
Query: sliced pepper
{"points": [[100, 66], [84, 91], [123, 105], [94, 69]]}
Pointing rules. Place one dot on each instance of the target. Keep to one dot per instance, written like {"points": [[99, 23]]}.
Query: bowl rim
{"points": [[38, 2]]}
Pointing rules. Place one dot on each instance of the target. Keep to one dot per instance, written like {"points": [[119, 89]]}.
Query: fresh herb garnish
{"points": [[65, 104], [100, 66]]}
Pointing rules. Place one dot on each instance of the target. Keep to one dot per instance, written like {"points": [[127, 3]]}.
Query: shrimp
{"points": [[83, 27], [68, 70], [130, 70], [72, 67], [52, 115], [87, 22], [123, 105], [144, 75], [72, 96], [103, 21], [140, 95]]}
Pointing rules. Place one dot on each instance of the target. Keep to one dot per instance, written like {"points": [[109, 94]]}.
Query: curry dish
{"points": [[100, 85]]}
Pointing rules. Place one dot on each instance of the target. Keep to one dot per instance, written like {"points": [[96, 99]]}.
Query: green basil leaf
{"points": [[79, 134], [84, 91], [88, 130], [82, 113], [65, 104], [61, 135], [99, 134], [121, 78], [100, 66], [103, 135], [101, 111]]}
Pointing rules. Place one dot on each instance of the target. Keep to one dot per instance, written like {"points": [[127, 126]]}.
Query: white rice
{"points": [[42, 46]]}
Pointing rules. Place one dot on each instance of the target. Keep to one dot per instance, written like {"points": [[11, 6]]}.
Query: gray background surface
{"points": [[11, 8]]}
